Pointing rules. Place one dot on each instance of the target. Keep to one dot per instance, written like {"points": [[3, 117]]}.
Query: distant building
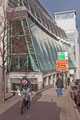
{"points": [[67, 21], [34, 40]]}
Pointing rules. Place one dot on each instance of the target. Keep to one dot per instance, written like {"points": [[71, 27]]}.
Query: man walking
{"points": [[59, 84], [68, 81]]}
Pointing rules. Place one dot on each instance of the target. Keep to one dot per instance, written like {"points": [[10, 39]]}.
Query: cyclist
{"points": [[26, 87]]}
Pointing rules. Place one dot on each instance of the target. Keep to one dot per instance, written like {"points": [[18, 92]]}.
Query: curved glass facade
{"points": [[33, 44]]}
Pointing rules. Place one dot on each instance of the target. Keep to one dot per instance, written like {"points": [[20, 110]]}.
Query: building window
{"points": [[15, 3], [64, 16]]}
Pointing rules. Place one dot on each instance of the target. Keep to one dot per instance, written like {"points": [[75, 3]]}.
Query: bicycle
{"points": [[25, 102]]}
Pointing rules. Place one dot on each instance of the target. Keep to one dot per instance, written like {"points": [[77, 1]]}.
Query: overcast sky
{"points": [[53, 6]]}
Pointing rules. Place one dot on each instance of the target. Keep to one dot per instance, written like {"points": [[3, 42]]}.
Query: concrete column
{"points": [[40, 81], [9, 85], [47, 81], [55, 78], [51, 82]]}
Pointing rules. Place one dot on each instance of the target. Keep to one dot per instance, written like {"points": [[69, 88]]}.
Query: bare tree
{"points": [[3, 44], [6, 19], [3, 47]]}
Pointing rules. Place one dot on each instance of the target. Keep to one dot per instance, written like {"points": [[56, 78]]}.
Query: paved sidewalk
{"points": [[66, 108], [62, 108], [9, 103]]}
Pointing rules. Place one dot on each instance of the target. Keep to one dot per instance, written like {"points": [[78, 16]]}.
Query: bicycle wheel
{"points": [[23, 106], [28, 104]]}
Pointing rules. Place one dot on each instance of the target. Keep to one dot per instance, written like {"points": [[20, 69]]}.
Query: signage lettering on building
{"points": [[21, 75], [61, 65]]}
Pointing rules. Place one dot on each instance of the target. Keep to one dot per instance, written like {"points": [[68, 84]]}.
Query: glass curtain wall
{"points": [[21, 55], [32, 49], [46, 49], [71, 58]]}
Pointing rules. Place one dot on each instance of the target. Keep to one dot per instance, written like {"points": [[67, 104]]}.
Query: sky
{"points": [[54, 6]]}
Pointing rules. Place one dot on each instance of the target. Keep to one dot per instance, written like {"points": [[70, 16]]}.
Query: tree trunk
{"points": [[3, 85]]}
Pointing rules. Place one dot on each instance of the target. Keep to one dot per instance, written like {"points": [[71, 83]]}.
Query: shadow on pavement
{"points": [[7, 98], [39, 110], [36, 97], [72, 95]]}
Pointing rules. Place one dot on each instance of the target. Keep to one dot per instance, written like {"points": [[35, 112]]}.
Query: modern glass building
{"points": [[67, 21], [34, 40], [64, 20]]}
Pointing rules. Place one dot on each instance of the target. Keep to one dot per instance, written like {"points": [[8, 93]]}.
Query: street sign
{"points": [[62, 56], [61, 65]]}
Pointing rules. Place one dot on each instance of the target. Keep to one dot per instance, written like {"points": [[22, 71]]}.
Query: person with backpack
{"points": [[59, 84]]}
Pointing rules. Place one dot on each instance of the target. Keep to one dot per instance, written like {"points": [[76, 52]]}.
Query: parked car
{"points": [[77, 82], [77, 94]]}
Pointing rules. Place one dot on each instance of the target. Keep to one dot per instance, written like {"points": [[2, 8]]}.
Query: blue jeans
{"points": [[28, 97], [59, 91]]}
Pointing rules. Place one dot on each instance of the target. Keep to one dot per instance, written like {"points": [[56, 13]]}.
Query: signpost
{"points": [[62, 56], [61, 65], [62, 62]]}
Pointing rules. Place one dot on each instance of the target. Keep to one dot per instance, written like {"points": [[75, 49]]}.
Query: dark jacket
{"points": [[28, 85], [68, 80], [59, 83]]}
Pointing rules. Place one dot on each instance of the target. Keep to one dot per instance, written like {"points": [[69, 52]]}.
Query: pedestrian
{"points": [[65, 83], [59, 84], [68, 81]]}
